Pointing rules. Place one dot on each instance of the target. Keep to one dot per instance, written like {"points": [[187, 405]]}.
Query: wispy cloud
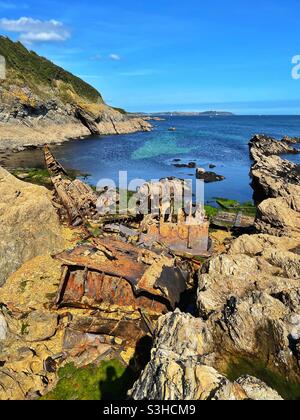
{"points": [[34, 30], [114, 57]]}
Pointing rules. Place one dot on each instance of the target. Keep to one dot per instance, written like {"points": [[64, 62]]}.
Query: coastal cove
{"points": [[221, 141]]}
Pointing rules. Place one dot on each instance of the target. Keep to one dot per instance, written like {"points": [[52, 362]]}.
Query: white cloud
{"points": [[42, 37], [34, 30], [114, 57]]}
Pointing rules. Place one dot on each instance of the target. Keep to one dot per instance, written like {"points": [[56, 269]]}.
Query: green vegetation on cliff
{"points": [[26, 68]]}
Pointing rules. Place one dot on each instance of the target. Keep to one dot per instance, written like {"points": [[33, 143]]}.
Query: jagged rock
{"points": [[255, 245], [190, 165], [239, 275], [274, 177], [276, 184], [29, 224], [208, 177], [3, 327], [182, 335], [87, 120], [250, 296], [277, 251], [178, 380], [257, 390], [276, 217], [177, 369], [261, 145], [291, 140]]}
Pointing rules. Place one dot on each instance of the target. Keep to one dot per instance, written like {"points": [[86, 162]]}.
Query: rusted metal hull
{"points": [[90, 289], [111, 272], [193, 239]]}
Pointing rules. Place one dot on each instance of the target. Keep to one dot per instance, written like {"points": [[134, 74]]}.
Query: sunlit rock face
{"points": [[29, 223]]}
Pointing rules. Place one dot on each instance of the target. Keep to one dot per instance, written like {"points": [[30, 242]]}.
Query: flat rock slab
{"points": [[40, 326]]}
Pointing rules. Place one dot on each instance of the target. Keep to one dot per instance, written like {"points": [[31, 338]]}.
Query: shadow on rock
{"points": [[116, 388]]}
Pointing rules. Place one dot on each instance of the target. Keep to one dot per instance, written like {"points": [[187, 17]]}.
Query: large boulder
{"points": [[276, 217], [276, 184], [29, 224], [180, 368], [249, 295]]}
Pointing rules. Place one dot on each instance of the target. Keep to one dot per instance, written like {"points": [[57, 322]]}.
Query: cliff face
{"points": [[40, 102]]}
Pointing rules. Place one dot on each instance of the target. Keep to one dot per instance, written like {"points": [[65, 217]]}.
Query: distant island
{"points": [[196, 114], [183, 114]]}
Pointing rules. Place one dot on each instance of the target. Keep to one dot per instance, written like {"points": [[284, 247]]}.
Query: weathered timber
{"points": [[232, 220], [77, 198]]}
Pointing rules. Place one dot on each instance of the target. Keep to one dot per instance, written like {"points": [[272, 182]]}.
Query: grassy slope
{"points": [[27, 69]]}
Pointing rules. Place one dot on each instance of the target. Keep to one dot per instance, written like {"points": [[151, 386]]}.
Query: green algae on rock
{"points": [[245, 366], [108, 381]]}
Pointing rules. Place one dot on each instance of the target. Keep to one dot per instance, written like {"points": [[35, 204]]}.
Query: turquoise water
{"points": [[222, 141]]}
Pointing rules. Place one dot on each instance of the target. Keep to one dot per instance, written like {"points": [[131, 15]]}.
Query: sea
{"points": [[221, 141]]}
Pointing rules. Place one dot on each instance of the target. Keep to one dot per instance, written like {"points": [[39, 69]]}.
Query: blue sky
{"points": [[170, 55]]}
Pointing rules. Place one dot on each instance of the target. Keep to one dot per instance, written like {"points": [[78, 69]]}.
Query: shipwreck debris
{"points": [[75, 197], [113, 273], [175, 222], [108, 330], [165, 211], [233, 221]]}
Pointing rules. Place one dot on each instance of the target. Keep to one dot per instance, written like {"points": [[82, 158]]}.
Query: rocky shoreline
{"points": [[242, 342], [22, 128], [248, 306]]}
